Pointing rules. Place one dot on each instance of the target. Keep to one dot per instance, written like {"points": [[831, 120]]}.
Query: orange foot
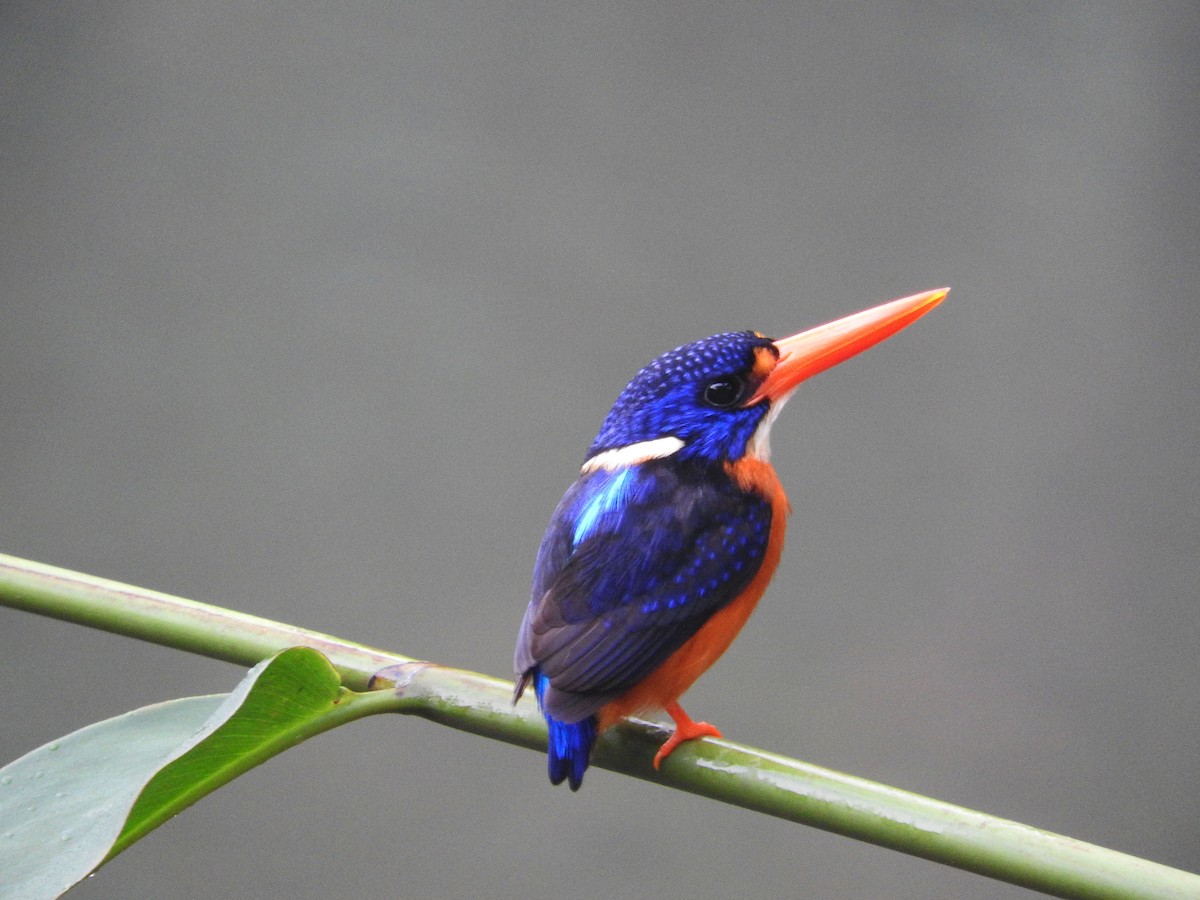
{"points": [[685, 730]]}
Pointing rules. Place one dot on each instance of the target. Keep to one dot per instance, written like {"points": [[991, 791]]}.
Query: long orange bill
{"points": [[803, 355]]}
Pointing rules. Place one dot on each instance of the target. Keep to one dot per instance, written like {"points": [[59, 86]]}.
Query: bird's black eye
{"points": [[724, 393]]}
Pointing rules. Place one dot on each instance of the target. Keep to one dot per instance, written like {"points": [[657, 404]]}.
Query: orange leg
{"points": [[685, 730]]}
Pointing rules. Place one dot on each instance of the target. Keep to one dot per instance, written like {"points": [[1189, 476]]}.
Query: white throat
{"points": [[759, 445]]}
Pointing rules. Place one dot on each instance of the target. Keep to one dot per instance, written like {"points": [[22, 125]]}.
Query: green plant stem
{"points": [[175, 622], [719, 769]]}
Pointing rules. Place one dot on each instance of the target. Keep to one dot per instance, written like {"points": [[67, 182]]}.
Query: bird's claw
{"points": [[688, 732]]}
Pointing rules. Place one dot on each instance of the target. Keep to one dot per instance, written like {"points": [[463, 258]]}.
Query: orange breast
{"points": [[668, 682]]}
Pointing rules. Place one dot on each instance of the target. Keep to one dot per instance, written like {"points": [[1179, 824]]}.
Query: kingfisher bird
{"points": [[658, 553]]}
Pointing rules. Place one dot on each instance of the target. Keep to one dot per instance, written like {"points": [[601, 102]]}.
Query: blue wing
{"points": [[632, 564]]}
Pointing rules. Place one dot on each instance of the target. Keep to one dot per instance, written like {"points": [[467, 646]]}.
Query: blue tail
{"points": [[570, 746]]}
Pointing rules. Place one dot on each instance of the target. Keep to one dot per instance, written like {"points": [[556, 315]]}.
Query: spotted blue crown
{"points": [[670, 398]]}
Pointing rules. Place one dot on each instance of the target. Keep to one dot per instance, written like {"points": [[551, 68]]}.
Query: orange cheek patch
{"points": [[764, 361]]}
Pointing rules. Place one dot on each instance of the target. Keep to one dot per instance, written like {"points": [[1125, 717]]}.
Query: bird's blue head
{"points": [[714, 400], [697, 401]]}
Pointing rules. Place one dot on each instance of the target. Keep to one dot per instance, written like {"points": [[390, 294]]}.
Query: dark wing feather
{"points": [[610, 605]]}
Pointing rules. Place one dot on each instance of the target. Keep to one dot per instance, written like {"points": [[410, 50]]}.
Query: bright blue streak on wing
{"points": [[612, 495]]}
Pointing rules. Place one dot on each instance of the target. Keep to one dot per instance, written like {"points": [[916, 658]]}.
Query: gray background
{"points": [[312, 311]]}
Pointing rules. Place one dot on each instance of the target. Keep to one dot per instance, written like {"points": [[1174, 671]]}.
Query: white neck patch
{"points": [[631, 455], [759, 445]]}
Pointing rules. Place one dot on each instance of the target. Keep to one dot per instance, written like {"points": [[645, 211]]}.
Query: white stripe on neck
{"points": [[631, 455], [759, 445]]}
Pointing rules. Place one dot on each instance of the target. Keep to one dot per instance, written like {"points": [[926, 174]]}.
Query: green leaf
{"points": [[63, 805], [70, 805]]}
